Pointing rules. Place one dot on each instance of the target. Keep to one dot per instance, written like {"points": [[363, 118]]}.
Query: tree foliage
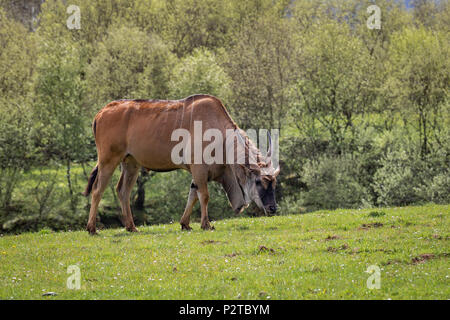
{"points": [[200, 73], [130, 64]]}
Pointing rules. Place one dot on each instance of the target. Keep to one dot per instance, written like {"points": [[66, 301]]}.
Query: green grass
{"points": [[297, 261]]}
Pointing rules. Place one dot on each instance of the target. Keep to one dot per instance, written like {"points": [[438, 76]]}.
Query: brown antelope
{"points": [[139, 133]]}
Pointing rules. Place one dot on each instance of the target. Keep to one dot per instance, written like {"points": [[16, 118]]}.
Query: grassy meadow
{"points": [[318, 255]]}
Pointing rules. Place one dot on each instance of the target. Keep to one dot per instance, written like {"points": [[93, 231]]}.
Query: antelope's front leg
{"points": [[192, 199], [203, 196], [200, 179]]}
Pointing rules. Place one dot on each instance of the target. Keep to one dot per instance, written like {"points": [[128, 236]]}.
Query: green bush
{"points": [[143, 71], [405, 179], [436, 181], [438, 188], [199, 73], [290, 205], [332, 182]]}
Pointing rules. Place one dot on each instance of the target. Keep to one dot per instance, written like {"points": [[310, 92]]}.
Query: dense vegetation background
{"points": [[363, 113]]}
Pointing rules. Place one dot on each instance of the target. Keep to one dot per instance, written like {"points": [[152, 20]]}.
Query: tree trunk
{"points": [[69, 185]]}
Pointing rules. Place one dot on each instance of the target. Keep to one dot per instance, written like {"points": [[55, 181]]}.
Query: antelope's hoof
{"points": [[132, 229], [185, 227], [208, 226], [92, 231]]}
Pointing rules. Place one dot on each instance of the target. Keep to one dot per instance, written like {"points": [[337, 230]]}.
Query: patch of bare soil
{"points": [[334, 249], [393, 261], [428, 256], [417, 260], [231, 255], [265, 249], [367, 226], [333, 237], [422, 258]]}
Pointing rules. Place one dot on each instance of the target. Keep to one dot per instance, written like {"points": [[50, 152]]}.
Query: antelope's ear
{"points": [[277, 172]]}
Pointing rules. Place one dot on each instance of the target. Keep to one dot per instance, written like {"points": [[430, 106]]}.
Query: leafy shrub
{"points": [[404, 179], [438, 188], [332, 182], [143, 71], [396, 181], [290, 205], [199, 73]]}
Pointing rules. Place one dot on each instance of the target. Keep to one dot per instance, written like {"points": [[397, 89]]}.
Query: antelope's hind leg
{"points": [[128, 177], [105, 171]]}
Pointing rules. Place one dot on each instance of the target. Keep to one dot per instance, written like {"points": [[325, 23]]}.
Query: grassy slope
{"points": [[161, 262]]}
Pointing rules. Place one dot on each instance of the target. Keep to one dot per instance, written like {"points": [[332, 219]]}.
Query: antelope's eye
{"points": [[258, 182]]}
